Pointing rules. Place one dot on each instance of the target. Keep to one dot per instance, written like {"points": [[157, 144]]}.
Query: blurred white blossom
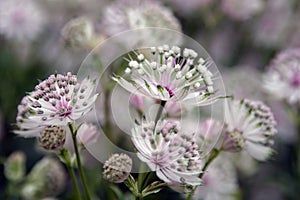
{"points": [[21, 19]]}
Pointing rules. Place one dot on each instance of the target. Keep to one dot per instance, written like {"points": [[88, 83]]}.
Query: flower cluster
{"points": [[168, 151], [171, 74], [56, 101], [283, 78], [250, 126]]}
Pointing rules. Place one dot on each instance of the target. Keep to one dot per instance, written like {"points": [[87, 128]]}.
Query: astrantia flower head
{"points": [[21, 19], [283, 78], [170, 75], [172, 154], [124, 15], [117, 168], [250, 126], [56, 101]]}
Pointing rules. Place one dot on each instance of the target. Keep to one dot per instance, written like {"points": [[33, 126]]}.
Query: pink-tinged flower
{"points": [[283, 78], [87, 134], [21, 19], [172, 154], [137, 102], [170, 75], [125, 15], [174, 109], [242, 9], [56, 101], [250, 126], [117, 168], [273, 27], [219, 181]]}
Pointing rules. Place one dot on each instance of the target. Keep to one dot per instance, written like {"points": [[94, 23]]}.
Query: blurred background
{"points": [[41, 37]]}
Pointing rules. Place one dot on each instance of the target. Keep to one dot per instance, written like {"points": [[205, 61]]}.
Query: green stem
{"points": [[64, 155], [159, 112], [214, 154], [79, 165], [74, 181]]}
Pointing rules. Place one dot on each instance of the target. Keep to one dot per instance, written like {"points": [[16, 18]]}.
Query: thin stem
{"points": [[79, 165], [159, 112], [74, 181], [214, 154], [64, 155]]}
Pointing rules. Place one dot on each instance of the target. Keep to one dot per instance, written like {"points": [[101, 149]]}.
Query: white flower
{"points": [[170, 75], [124, 15], [283, 78], [219, 181], [56, 101], [250, 126], [172, 154], [21, 19], [87, 134], [149, 16]]}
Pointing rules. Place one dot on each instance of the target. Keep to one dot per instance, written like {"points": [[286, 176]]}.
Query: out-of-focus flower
{"points": [[56, 101], [242, 9], [14, 167], [79, 34], [250, 126], [125, 15], [117, 168], [283, 78], [131, 14], [170, 75], [137, 102], [21, 19], [174, 109], [87, 133], [46, 179], [172, 154], [52, 137], [219, 181], [274, 25]]}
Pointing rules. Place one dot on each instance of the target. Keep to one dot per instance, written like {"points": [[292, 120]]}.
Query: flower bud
{"points": [[78, 33], [14, 167], [46, 179], [52, 137], [87, 133], [117, 168]]}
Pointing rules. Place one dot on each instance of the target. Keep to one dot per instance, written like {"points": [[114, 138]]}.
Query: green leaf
{"points": [[153, 188], [132, 185]]}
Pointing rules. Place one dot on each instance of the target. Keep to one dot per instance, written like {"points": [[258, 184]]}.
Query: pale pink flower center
{"points": [[64, 110]]}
